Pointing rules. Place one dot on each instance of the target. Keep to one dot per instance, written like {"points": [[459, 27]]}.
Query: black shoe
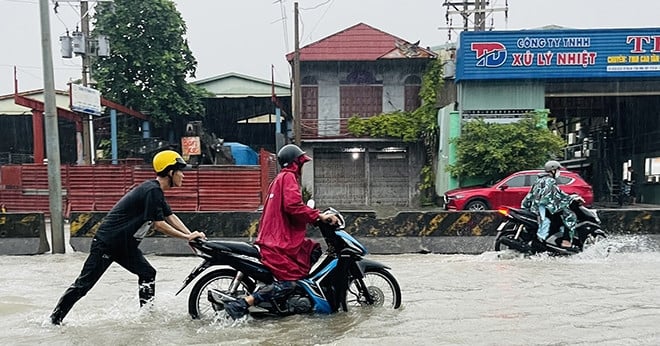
{"points": [[56, 319], [571, 248], [237, 308]]}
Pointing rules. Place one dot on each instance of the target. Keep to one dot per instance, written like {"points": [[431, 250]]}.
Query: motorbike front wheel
{"points": [[382, 287], [199, 306]]}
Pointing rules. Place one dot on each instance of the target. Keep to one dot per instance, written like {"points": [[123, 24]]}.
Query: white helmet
{"points": [[551, 166]]}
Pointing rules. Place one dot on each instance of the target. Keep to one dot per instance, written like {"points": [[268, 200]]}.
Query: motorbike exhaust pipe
{"points": [[515, 244]]}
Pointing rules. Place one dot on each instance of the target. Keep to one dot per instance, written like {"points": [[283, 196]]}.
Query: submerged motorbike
{"points": [[340, 279], [518, 231]]}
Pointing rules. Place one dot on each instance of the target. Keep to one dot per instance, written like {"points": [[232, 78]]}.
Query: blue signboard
{"points": [[546, 54]]}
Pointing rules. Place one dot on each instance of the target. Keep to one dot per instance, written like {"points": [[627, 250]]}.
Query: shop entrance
{"points": [[609, 125]]}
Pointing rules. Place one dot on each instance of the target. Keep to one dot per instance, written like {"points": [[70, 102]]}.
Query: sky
{"points": [[250, 36]]}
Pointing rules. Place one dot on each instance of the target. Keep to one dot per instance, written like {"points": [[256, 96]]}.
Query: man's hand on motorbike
{"points": [[329, 218], [577, 198], [195, 235]]}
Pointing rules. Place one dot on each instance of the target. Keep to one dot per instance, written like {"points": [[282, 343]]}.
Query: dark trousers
{"points": [[281, 289], [99, 259]]}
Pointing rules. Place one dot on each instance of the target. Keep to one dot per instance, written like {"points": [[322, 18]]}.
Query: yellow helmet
{"points": [[168, 159]]}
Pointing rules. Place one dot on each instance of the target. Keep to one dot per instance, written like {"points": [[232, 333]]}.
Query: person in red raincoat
{"points": [[282, 228]]}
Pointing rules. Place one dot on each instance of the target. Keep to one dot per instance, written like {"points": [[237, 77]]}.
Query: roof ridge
{"points": [[371, 43]]}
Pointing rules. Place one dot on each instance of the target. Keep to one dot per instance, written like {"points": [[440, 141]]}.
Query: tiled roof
{"points": [[361, 42]]}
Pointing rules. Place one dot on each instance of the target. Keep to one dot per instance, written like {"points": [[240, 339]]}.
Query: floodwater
{"points": [[608, 295]]}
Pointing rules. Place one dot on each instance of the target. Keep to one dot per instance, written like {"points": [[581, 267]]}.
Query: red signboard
{"points": [[191, 146]]}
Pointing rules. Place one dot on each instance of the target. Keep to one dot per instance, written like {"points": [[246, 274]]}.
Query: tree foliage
{"points": [[149, 61], [492, 150]]}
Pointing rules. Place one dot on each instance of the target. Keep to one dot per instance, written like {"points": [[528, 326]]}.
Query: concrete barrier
{"points": [[405, 232], [23, 234]]}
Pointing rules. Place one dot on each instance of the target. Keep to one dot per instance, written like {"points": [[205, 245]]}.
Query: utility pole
{"points": [[52, 136], [88, 126], [475, 11], [479, 15], [297, 97]]}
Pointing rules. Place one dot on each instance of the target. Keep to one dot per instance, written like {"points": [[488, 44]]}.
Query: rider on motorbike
{"points": [[546, 196], [282, 228]]}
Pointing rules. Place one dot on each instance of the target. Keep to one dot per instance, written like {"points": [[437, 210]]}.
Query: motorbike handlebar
{"points": [[198, 241]]}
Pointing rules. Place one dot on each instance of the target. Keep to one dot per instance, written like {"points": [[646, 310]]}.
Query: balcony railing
{"points": [[321, 128]]}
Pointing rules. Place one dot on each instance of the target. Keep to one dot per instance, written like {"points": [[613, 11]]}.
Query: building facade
{"points": [[600, 86], [363, 72]]}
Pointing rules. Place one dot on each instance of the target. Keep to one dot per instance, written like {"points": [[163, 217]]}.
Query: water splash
{"points": [[618, 244], [631, 244], [222, 320]]}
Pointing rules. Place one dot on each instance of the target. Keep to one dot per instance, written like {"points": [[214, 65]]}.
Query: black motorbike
{"points": [[341, 278], [518, 231]]}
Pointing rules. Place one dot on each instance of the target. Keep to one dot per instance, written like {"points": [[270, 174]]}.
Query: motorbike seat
{"points": [[237, 247], [524, 212]]}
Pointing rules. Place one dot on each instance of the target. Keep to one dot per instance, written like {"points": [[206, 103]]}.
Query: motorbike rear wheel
{"points": [[199, 306], [382, 287], [505, 234], [593, 239]]}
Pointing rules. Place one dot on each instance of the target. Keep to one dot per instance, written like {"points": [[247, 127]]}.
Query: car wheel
{"points": [[477, 205]]}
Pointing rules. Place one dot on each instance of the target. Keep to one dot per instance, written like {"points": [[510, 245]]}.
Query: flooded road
{"points": [[599, 297]]}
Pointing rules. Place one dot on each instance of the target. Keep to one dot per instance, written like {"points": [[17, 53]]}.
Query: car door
{"points": [[511, 191]]}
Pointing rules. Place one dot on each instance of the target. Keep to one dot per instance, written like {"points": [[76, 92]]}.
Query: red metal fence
{"points": [[24, 188]]}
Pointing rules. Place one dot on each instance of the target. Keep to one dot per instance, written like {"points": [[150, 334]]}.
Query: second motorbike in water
{"points": [[519, 228], [341, 279]]}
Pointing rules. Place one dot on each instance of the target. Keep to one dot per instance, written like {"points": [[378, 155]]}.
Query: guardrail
{"points": [[405, 232]]}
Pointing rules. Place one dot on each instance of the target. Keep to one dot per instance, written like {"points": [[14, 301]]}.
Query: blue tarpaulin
{"points": [[243, 154]]}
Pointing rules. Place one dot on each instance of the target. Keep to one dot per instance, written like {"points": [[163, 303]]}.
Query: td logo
{"points": [[489, 54]]}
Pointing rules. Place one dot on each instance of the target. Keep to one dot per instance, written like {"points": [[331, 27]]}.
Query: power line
{"points": [[329, 2], [21, 1], [284, 23], [38, 67]]}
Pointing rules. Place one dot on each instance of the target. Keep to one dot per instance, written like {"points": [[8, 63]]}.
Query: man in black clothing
{"points": [[121, 231], [632, 178]]}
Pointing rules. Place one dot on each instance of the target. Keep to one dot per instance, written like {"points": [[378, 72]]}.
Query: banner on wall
{"points": [[547, 54]]}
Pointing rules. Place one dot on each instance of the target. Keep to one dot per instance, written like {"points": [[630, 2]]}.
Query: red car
{"points": [[511, 190]]}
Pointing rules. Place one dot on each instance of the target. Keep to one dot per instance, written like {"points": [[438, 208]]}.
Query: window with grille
{"points": [[412, 86], [309, 111], [360, 94]]}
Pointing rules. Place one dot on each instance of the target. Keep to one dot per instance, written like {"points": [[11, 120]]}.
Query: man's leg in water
{"points": [[96, 264], [279, 289], [135, 262]]}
